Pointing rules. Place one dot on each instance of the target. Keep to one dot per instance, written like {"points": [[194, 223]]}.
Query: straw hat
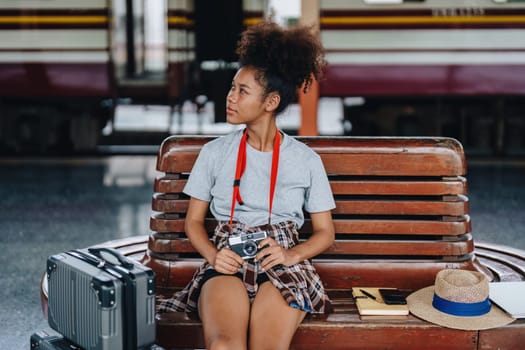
{"points": [[459, 299]]}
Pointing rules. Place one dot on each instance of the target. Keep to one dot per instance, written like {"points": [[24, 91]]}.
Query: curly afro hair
{"points": [[285, 59]]}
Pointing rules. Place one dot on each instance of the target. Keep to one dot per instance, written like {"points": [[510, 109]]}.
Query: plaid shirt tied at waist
{"points": [[299, 284]]}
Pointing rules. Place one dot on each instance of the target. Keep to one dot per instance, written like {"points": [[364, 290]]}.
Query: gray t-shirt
{"points": [[301, 181]]}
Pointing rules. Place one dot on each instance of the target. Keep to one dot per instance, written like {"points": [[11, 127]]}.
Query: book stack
{"points": [[371, 304]]}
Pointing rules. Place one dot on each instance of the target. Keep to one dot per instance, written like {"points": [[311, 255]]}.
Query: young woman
{"points": [[258, 181]]}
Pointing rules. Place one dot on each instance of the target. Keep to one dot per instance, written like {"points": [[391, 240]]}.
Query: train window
{"points": [[155, 32], [139, 38]]}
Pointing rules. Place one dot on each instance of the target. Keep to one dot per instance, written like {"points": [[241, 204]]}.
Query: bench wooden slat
{"points": [[414, 227], [513, 264], [506, 263], [171, 183], [350, 247], [392, 187], [165, 223], [506, 250], [400, 207], [383, 165], [357, 207], [501, 270], [328, 331], [337, 274], [172, 203], [511, 336], [399, 248], [403, 273], [347, 156], [166, 203], [171, 275]]}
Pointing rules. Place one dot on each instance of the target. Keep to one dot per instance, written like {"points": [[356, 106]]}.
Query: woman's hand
{"points": [[323, 234], [272, 254], [227, 261]]}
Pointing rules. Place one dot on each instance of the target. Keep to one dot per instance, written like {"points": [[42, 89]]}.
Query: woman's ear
{"points": [[272, 101]]}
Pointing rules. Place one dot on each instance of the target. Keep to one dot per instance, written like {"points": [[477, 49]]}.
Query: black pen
{"points": [[367, 294]]}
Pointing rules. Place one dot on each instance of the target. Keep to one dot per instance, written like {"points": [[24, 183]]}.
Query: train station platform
{"points": [[54, 204]]}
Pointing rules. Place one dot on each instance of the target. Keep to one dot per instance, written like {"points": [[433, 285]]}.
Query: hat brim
{"points": [[420, 305]]}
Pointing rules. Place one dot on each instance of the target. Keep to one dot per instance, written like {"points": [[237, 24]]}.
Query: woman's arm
{"points": [[322, 237], [225, 260]]}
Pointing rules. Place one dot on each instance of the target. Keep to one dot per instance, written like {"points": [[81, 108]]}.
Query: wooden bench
{"points": [[402, 215]]}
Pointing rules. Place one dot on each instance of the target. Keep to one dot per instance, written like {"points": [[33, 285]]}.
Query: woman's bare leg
{"points": [[224, 308], [272, 322]]}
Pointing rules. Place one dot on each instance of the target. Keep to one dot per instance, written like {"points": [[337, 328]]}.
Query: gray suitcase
{"points": [[101, 300], [45, 341]]}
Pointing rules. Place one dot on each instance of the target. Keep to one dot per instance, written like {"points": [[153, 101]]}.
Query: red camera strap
{"points": [[241, 166]]}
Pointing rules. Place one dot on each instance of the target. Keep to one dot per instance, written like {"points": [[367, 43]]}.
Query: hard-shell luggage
{"points": [[44, 341], [99, 299]]}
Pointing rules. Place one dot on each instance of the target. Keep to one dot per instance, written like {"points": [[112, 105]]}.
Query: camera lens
{"points": [[249, 248]]}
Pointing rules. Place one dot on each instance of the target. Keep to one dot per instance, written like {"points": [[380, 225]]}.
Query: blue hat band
{"points": [[461, 309]]}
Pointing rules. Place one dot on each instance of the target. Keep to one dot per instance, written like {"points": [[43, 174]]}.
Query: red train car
{"points": [[434, 67], [66, 64], [403, 67], [55, 63]]}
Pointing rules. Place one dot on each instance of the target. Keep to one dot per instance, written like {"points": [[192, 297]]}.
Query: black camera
{"points": [[246, 244]]}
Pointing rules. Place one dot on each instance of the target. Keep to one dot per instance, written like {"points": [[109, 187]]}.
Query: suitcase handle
{"points": [[121, 258]]}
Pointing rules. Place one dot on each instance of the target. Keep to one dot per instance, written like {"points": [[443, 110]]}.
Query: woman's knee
{"points": [[225, 342], [223, 298], [271, 315], [224, 309]]}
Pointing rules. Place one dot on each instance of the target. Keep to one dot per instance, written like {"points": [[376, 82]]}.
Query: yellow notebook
{"points": [[368, 306]]}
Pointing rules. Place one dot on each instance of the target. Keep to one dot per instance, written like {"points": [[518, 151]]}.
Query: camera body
{"points": [[246, 244]]}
